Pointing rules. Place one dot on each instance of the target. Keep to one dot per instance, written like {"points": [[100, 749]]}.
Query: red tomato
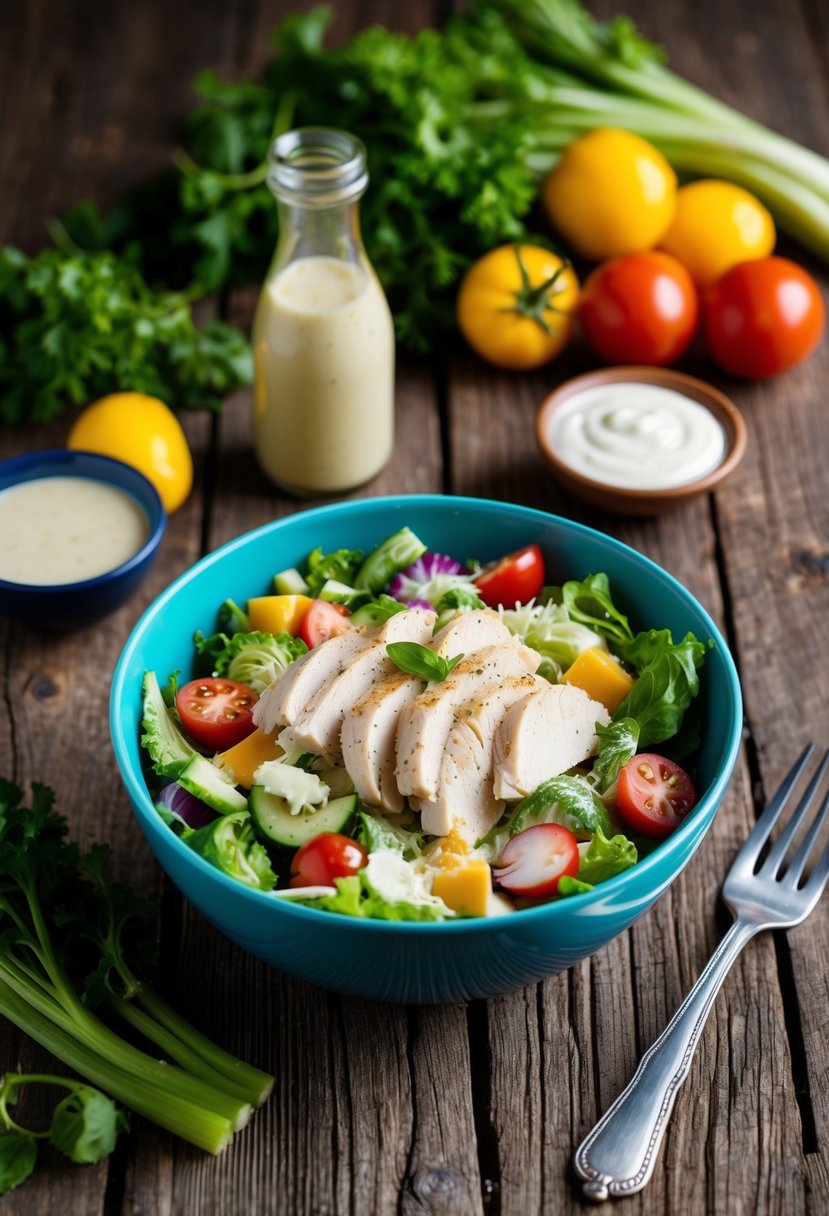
{"points": [[512, 580], [217, 713], [654, 794], [533, 861], [326, 857], [323, 621], [762, 317], [641, 308]]}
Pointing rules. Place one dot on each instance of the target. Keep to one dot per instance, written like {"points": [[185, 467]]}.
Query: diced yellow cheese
{"points": [[466, 889], [278, 613], [243, 759], [601, 676]]}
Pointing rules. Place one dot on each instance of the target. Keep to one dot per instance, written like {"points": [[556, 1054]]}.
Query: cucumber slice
{"points": [[290, 582], [203, 779], [336, 592], [275, 822]]}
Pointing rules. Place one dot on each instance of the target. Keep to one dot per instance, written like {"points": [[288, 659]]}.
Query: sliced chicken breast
{"points": [[425, 723], [368, 739], [466, 797], [369, 732], [545, 734], [316, 727]]}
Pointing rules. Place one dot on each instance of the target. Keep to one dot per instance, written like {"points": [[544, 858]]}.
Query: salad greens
{"points": [[396, 881], [66, 974]]}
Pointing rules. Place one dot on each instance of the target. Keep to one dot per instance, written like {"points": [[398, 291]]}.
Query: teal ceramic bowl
{"points": [[422, 963]]}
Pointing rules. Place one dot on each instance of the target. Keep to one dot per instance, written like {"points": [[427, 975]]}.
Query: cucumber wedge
{"points": [[203, 779], [274, 821]]}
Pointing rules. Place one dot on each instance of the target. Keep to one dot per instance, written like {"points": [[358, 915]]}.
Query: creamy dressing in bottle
{"points": [[323, 336]]}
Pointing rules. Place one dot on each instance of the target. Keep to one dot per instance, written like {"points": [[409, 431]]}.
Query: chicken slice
{"points": [[317, 726], [368, 737], [369, 730], [466, 799], [545, 734], [425, 723]]}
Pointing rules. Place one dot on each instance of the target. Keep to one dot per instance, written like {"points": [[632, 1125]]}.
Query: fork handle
{"points": [[618, 1156]]}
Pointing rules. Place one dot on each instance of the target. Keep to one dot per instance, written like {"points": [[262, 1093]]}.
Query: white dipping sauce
{"points": [[637, 436], [323, 345], [57, 530]]}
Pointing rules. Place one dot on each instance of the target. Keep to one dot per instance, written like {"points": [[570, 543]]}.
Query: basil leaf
{"points": [[418, 660]]}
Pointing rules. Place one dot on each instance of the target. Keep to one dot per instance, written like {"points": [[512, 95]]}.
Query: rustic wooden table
{"points": [[477, 1108]]}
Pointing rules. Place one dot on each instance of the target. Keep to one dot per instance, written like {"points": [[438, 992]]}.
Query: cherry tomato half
{"points": [[534, 861], [641, 308], [762, 317], [326, 857], [512, 580], [323, 621], [654, 794], [215, 712]]}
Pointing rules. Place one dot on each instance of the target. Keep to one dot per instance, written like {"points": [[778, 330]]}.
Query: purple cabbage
{"points": [[423, 582], [188, 808]]}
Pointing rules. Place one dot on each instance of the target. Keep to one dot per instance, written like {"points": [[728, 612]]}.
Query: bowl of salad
{"points": [[424, 749]]}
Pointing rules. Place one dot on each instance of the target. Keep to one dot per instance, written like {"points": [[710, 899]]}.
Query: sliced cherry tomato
{"points": [[216, 713], [762, 317], [654, 794], [512, 580], [641, 308], [326, 857], [323, 621], [536, 859]]}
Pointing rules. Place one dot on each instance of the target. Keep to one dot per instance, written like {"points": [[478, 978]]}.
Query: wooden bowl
{"points": [[620, 499]]}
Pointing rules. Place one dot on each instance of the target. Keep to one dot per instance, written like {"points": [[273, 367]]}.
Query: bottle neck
{"points": [[332, 232]]}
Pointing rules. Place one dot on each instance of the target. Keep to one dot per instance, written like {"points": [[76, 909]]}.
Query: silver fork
{"points": [[618, 1156]]}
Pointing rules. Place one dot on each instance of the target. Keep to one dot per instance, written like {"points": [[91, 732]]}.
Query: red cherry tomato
{"points": [[641, 308], [326, 857], [216, 713], [323, 621], [536, 859], [762, 317], [654, 794], [512, 580]]}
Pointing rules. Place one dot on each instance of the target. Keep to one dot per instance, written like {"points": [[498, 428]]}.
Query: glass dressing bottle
{"points": [[323, 336]]}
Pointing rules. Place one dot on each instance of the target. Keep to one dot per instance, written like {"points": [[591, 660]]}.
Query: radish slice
{"points": [[533, 861]]}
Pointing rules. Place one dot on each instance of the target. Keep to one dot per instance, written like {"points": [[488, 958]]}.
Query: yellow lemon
{"points": [[141, 431]]}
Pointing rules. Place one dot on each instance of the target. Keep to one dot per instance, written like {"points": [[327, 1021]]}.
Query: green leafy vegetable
{"points": [[341, 565], [232, 619], [355, 898], [589, 602], [617, 743], [77, 326], [378, 833], [566, 800], [18, 1156], [667, 684], [418, 660], [255, 659], [63, 948], [603, 859], [231, 845], [548, 628]]}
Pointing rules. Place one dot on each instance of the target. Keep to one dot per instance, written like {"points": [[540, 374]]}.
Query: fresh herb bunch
{"points": [[85, 1125], [64, 949], [76, 326], [460, 126]]}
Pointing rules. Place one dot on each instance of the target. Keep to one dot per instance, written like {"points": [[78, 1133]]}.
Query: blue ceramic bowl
{"points": [[72, 605], [422, 962]]}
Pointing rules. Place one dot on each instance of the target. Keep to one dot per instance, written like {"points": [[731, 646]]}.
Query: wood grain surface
{"points": [[468, 1110]]}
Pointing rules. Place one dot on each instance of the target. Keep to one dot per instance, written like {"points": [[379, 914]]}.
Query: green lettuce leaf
{"points": [[617, 743], [355, 898], [342, 565], [667, 683], [590, 603], [255, 659], [570, 801]]}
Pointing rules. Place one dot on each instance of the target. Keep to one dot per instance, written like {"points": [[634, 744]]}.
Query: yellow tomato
{"points": [[516, 306], [611, 193], [143, 432], [717, 225]]}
